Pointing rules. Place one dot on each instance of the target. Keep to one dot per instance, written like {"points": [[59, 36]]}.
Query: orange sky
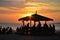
{"points": [[13, 13]]}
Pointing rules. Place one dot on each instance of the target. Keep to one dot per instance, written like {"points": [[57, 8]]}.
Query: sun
{"points": [[29, 14]]}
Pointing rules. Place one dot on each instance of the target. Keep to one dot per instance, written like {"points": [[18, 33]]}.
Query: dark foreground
{"points": [[28, 37]]}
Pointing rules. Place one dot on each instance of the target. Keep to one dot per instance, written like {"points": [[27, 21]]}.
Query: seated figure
{"points": [[45, 25], [50, 28], [3, 30], [39, 28], [28, 25], [39, 24], [53, 28], [0, 29], [17, 29], [45, 28], [10, 30]]}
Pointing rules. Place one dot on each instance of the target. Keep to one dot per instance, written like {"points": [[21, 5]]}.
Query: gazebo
{"points": [[37, 18]]}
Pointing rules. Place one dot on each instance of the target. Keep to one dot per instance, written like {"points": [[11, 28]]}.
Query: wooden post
{"points": [[45, 22], [34, 22]]}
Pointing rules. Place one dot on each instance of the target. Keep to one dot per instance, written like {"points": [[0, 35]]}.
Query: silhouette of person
{"points": [[53, 28], [7, 29], [28, 25], [17, 29], [10, 30], [45, 25], [50, 28], [39, 24], [3, 30], [39, 28], [0, 30], [45, 28]]}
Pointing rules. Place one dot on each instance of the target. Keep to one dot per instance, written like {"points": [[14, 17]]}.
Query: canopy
{"points": [[24, 18], [35, 17]]}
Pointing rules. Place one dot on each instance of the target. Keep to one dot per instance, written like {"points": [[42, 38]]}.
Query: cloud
{"points": [[15, 6], [53, 11], [9, 6], [36, 4], [19, 4], [8, 12], [4, 10], [43, 0], [50, 11]]}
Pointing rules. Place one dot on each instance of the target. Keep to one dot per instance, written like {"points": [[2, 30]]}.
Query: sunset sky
{"points": [[12, 10]]}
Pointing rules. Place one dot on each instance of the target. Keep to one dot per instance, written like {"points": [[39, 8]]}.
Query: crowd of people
{"points": [[36, 30], [7, 30], [26, 29]]}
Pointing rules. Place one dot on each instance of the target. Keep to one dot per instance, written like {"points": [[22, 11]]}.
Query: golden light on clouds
{"points": [[3, 8], [36, 5], [21, 9], [31, 7], [44, 9], [27, 14]]}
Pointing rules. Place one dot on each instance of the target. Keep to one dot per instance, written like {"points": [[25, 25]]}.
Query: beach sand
{"points": [[27, 37]]}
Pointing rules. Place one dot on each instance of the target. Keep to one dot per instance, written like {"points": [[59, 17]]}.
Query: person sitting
{"points": [[53, 28], [39, 25], [50, 28], [0, 30], [33, 29], [7, 29], [45, 28], [27, 28], [17, 29], [39, 28], [34, 26], [3, 30], [45, 25], [28, 25], [10, 30]]}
